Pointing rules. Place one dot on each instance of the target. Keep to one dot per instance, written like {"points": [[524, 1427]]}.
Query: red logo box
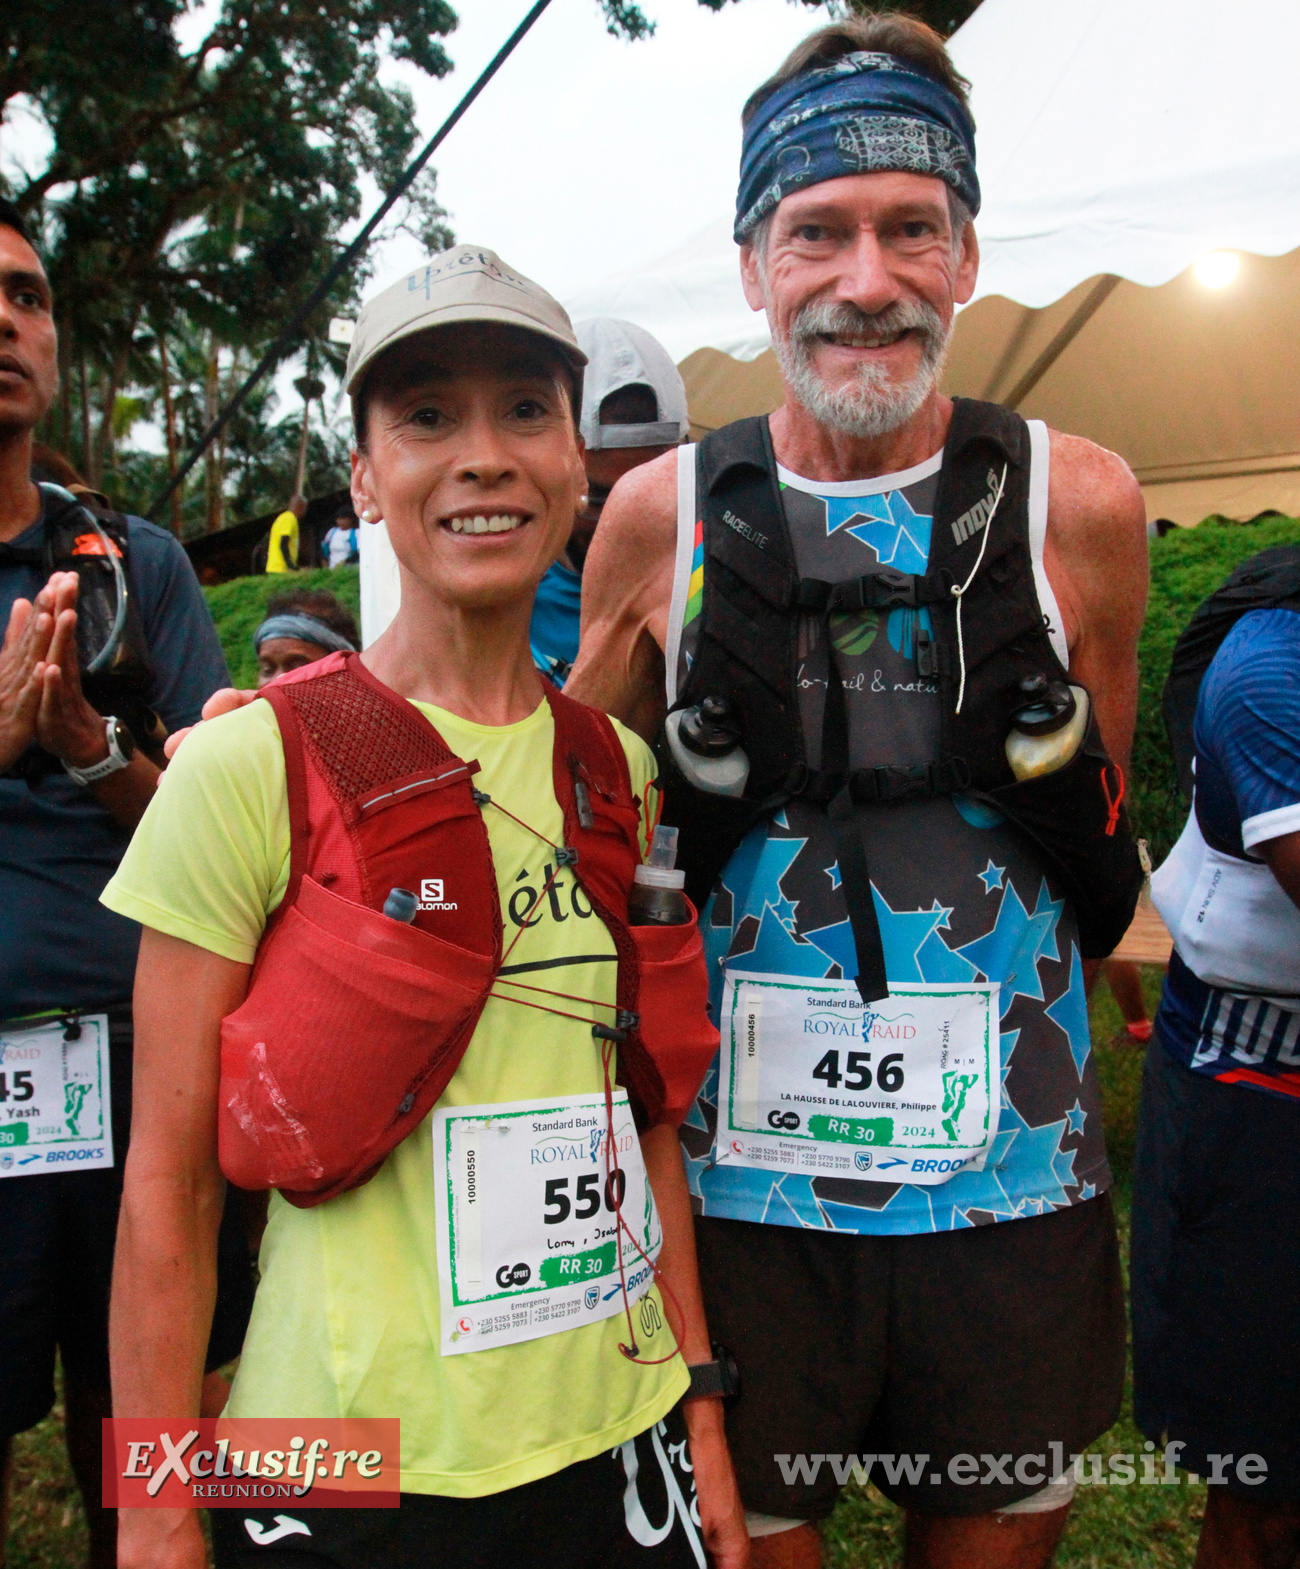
{"points": [[251, 1462]]}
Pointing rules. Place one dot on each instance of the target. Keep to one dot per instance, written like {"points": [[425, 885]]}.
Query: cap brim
{"points": [[453, 315]]}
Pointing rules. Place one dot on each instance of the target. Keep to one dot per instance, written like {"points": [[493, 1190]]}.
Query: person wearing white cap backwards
{"points": [[544, 1419], [835, 619], [633, 411]]}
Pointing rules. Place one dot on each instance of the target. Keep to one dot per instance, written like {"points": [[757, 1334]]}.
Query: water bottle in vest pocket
{"points": [[1076, 817]]}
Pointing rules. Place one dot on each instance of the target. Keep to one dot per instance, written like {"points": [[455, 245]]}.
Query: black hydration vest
{"points": [[989, 637]]}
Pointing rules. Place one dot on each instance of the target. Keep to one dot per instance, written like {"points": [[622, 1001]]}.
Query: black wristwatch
{"points": [[719, 1379]]}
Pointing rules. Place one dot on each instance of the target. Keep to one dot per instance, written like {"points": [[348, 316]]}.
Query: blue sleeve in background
{"points": [[188, 662], [1248, 726]]}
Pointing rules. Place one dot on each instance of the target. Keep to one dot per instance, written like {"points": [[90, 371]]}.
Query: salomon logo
{"points": [[431, 895]]}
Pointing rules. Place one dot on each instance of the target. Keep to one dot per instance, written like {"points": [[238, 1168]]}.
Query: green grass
{"points": [[239, 608]]}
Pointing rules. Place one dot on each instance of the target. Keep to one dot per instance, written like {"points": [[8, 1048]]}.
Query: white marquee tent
{"points": [[1119, 142]]}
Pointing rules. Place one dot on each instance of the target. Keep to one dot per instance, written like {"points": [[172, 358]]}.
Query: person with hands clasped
{"points": [[90, 591], [387, 909], [42, 704]]}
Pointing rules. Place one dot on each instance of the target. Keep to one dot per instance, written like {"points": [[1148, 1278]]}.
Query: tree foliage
{"points": [[195, 191], [195, 187]]}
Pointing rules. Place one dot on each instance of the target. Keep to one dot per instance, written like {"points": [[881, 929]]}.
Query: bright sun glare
{"points": [[1217, 269]]}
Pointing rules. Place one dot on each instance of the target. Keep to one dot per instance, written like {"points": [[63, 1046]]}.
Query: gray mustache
{"points": [[850, 320]]}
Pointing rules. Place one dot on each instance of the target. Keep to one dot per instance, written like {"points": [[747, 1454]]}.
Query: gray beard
{"points": [[871, 403]]}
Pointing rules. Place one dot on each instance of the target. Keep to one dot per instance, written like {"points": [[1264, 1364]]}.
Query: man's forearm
{"points": [[126, 795]]}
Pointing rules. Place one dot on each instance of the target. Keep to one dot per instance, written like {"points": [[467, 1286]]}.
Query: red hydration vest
{"points": [[354, 1022]]}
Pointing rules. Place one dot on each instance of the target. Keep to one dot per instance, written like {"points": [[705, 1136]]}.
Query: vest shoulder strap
{"points": [[589, 757], [361, 737]]}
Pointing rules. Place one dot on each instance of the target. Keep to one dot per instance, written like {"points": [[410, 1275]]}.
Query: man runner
{"points": [[888, 1317]]}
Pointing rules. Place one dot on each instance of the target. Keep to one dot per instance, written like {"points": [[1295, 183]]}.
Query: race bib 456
{"points": [[813, 1080]]}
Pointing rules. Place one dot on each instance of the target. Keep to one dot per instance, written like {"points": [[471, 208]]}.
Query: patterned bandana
{"points": [[865, 113]]}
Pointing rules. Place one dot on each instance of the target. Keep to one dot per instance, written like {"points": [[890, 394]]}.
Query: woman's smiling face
{"points": [[470, 454]]}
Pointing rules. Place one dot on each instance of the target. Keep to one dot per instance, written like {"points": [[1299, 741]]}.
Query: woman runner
{"points": [[558, 1443]]}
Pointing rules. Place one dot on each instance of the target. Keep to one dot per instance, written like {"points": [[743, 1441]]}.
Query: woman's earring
{"points": [[583, 499], [369, 515]]}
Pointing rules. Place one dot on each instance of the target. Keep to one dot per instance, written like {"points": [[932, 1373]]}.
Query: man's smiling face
{"points": [[29, 373], [860, 278], [472, 458]]}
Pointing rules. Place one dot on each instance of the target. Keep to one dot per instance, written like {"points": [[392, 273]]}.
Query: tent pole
{"points": [[1092, 303]]}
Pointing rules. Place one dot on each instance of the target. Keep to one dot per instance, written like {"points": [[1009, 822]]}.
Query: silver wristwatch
{"points": [[121, 749]]}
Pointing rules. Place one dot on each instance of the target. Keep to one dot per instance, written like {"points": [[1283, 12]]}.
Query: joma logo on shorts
{"points": [[431, 895]]}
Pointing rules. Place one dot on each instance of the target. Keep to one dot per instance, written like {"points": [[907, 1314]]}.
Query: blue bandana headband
{"points": [[306, 629], [866, 113]]}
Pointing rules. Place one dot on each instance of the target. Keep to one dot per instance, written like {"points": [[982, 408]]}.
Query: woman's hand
{"points": [[160, 1539], [722, 1517]]}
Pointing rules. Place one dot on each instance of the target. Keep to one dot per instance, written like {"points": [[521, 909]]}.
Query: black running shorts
{"points": [[56, 1237], [1216, 1278], [914, 1352], [632, 1508]]}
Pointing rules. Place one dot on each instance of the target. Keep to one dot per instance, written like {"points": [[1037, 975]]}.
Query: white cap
{"points": [[621, 354]]}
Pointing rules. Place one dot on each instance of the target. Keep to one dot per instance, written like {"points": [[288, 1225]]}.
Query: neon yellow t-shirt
{"points": [[282, 549], [346, 1319]]}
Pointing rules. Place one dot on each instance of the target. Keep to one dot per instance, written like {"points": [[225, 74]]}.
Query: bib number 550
{"points": [[587, 1194], [857, 1075]]}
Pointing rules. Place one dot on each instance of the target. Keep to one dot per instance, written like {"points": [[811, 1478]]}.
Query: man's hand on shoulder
{"points": [[1096, 561], [225, 700], [627, 584]]}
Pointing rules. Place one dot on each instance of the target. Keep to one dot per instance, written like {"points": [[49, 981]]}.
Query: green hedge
{"points": [[1186, 565], [239, 608]]}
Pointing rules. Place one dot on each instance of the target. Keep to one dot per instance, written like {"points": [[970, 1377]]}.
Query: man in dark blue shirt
{"points": [[64, 826], [1216, 1180]]}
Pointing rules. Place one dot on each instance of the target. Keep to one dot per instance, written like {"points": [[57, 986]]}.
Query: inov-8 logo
{"points": [[432, 896]]}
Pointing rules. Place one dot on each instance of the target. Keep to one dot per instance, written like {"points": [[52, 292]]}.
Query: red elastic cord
{"points": [[505, 980], [611, 1154], [612, 1167], [546, 888], [1112, 822]]}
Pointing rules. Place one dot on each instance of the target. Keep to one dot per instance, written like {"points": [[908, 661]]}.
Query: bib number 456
{"points": [[857, 1074]]}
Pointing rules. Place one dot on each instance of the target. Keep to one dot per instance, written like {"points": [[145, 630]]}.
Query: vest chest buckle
{"points": [[880, 590]]}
